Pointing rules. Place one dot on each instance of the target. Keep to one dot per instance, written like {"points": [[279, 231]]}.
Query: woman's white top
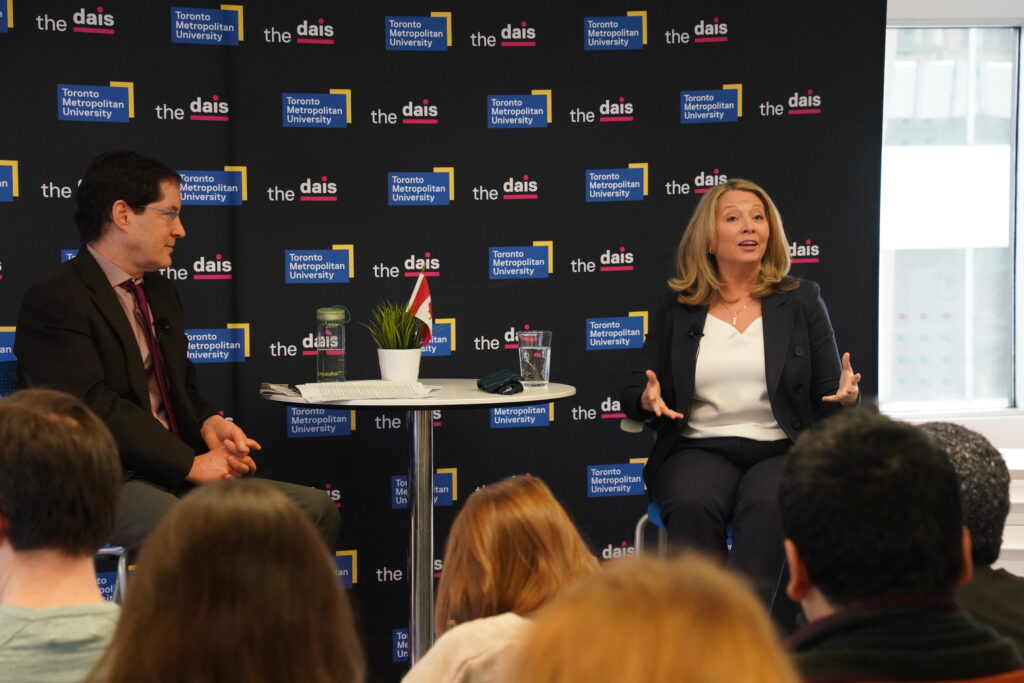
{"points": [[478, 651], [730, 390]]}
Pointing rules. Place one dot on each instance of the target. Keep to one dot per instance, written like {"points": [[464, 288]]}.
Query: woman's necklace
{"points": [[735, 314]]}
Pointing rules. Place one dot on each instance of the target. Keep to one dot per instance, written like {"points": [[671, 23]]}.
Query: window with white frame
{"points": [[949, 192]]}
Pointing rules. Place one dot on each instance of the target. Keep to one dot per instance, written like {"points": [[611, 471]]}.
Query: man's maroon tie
{"points": [[154, 350]]}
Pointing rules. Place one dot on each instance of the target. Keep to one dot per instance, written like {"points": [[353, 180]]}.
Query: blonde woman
{"points": [[739, 359], [685, 621], [234, 584], [511, 549]]}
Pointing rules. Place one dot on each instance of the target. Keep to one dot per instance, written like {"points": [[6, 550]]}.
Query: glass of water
{"points": [[534, 356]]}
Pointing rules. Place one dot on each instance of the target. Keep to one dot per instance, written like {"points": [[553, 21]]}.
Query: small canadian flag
{"points": [[421, 307]]}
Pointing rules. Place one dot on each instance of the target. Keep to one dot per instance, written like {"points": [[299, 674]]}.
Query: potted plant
{"points": [[398, 336]]}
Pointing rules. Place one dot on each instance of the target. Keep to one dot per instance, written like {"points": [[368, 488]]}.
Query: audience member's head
{"points": [[679, 621], [511, 548], [59, 474], [870, 508], [984, 485], [130, 176], [234, 584]]}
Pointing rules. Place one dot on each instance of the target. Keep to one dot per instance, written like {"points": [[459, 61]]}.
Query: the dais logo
{"points": [[800, 103], [215, 188], [804, 252], [8, 180], [616, 33], [98, 22], [216, 268], [317, 110], [711, 106], [317, 32], [518, 36], [714, 31], [197, 26], [617, 184], [422, 112], [519, 111], [213, 109], [431, 34], [96, 103], [702, 182], [319, 190]]}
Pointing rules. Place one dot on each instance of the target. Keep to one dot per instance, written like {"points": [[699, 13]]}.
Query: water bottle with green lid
{"points": [[330, 343]]}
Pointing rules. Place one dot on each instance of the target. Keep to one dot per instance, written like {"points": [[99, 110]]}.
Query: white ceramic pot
{"points": [[399, 365]]}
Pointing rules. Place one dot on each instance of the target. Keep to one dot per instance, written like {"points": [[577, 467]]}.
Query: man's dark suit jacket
{"points": [[800, 358], [73, 335]]}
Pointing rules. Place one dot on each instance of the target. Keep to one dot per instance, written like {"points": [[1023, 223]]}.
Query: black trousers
{"points": [[706, 483], [141, 505]]}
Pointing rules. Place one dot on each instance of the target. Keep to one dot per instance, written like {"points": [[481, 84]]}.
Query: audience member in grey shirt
{"points": [[59, 478]]}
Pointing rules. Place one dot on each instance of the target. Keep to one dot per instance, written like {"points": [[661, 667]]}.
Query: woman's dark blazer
{"points": [[800, 358]]}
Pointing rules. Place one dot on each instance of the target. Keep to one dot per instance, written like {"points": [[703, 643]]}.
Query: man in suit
{"points": [[105, 326]]}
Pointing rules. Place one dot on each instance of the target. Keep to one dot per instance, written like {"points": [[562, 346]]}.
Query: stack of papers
{"points": [[317, 392]]}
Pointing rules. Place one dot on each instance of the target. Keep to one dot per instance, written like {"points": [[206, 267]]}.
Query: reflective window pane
{"points": [[946, 284]]}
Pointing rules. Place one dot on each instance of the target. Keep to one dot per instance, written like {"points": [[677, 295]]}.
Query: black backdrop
{"points": [[821, 166]]}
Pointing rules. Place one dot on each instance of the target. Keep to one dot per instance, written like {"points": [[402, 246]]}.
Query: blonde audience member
{"points": [[684, 621], [234, 584], [510, 550]]}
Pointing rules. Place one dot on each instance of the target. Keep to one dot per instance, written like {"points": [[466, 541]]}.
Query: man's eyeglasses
{"points": [[171, 214]]}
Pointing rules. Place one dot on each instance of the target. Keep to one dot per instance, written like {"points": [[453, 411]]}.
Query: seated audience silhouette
{"points": [[680, 621], [993, 596], [234, 584], [876, 548], [511, 548], [59, 477]]}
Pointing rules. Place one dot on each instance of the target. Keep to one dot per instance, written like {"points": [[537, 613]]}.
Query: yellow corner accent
{"points": [[551, 412], [241, 19], [546, 93], [454, 471], [347, 92], [352, 420], [14, 173], [647, 172], [452, 322], [450, 170], [244, 170], [643, 22], [354, 554], [738, 87], [550, 244], [131, 95], [245, 335], [635, 461], [10, 13], [351, 257], [7, 329], [448, 22], [642, 314]]}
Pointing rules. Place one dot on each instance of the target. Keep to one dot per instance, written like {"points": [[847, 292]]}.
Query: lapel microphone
{"points": [[162, 324], [696, 332]]}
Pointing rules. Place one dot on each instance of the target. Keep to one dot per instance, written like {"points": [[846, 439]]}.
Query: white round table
{"points": [[454, 393]]}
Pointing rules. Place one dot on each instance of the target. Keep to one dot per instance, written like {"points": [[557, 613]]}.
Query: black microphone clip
{"points": [[696, 332], [162, 324]]}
